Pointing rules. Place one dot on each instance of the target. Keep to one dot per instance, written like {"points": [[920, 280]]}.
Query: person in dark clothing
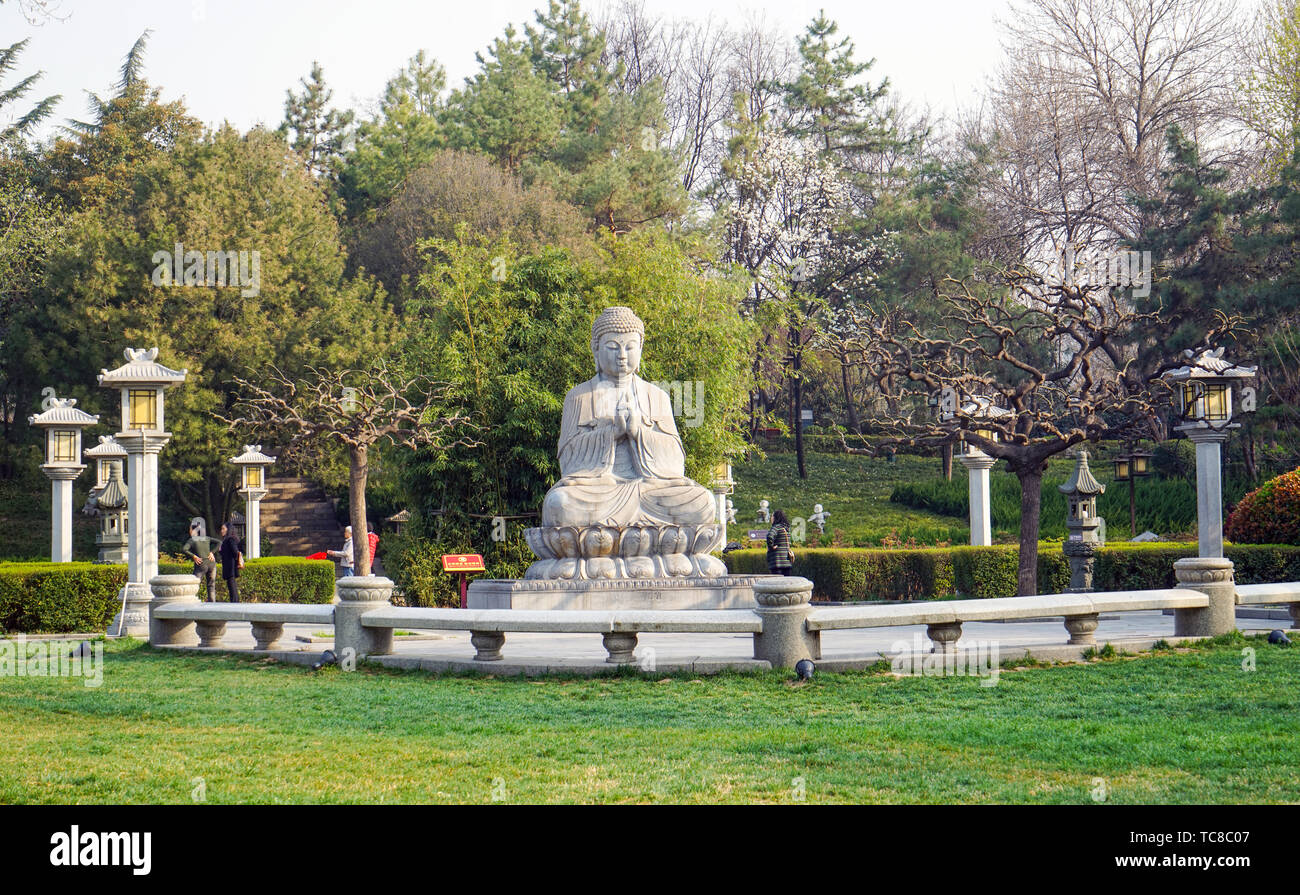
{"points": [[232, 560], [780, 559]]}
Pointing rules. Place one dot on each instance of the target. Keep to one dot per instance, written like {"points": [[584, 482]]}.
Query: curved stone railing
{"points": [[785, 625], [943, 619]]}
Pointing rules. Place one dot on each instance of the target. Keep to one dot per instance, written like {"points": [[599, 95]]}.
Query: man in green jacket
{"points": [[200, 548]]}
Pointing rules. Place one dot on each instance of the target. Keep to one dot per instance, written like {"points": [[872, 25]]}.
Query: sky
{"points": [[232, 60]]}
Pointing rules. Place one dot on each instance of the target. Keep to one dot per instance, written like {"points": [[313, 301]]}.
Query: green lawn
{"points": [[854, 490], [1169, 727]]}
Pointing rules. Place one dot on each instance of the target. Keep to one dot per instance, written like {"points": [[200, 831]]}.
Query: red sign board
{"points": [[462, 562]]}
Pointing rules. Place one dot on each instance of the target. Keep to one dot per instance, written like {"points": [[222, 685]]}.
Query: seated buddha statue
{"points": [[621, 459]]}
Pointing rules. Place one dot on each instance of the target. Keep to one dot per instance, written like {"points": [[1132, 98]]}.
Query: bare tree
{"points": [[357, 409], [1080, 110], [1036, 367]]}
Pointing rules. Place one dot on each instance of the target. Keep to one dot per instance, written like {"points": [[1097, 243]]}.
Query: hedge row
{"points": [[43, 597], [856, 574], [52, 597]]}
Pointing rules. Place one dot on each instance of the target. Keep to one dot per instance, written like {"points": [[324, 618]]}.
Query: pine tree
{"points": [[405, 134], [28, 120], [827, 102], [315, 131]]}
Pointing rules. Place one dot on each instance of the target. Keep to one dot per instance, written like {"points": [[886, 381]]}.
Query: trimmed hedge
{"points": [[43, 597], [272, 579], [49, 597], [857, 574]]}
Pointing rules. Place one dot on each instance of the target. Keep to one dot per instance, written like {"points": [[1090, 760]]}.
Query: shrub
{"points": [[855, 574], [415, 565], [285, 579], [43, 597], [272, 579], [1268, 515], [57, 597]]}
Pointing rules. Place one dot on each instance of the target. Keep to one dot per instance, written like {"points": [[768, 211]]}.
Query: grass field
{"points": [[1168, 727], [855, 490]]}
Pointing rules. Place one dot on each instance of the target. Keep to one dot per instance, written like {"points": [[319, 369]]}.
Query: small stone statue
{"points": [[764, 514], [731, 513], [819, 517]]}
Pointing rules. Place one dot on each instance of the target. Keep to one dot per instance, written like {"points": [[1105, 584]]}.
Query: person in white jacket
{"points": [[344, 556]]}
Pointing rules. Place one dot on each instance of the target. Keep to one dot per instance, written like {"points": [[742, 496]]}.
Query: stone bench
{"points": [[1267, 594], [267, 619], [943, 618], [618, 628]]}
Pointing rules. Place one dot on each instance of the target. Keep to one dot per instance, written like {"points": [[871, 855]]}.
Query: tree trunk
{"points": [[796, 400], [357, 509], [850, 412], [947, 461], [1031, 504]]}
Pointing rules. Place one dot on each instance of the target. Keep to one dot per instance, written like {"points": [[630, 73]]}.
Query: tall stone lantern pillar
{"points": [[977, 465], [62, 422], [1207, 389], [723, 485], [1082, 523], [142, 382], [976, 416], [252, 463]]}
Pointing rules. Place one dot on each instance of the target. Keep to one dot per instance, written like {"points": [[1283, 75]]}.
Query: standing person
{"points": [[232, 560], [780, 559], [345, 555], [200, 549], [372, 541]]}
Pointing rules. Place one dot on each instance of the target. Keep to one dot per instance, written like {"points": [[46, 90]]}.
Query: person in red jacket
{"points": [[373, 540]]}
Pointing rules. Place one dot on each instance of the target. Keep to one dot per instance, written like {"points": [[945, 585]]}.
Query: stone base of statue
{"points": [[724, 592], [626, 552]]}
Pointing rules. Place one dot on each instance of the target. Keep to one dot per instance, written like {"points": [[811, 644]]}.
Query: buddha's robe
{"points": [[633, 478]]}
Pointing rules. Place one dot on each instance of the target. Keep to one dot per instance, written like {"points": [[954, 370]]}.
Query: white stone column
{"points": [[61, 510], [253, 521], [978, 465], [142, 451], [720, 512], [1209, 488]]}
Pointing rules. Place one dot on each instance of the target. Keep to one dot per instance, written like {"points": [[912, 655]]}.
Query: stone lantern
{"points": [[723, 485], [252, 463], [111, 504], [142, 382], [107, 455], [1086, 535], [62, 422], [1205, 389], [1209, 390]]}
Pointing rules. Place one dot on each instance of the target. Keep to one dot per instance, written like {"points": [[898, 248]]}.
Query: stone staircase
{"points": [[298, 518]]}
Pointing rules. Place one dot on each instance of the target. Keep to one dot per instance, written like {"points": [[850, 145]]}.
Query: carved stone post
{"points": [[357, 596], [783, 605], [169, 590], [1212, 576]]}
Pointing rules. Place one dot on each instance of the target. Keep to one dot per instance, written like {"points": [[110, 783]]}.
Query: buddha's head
{"points": [[616, 339]]}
